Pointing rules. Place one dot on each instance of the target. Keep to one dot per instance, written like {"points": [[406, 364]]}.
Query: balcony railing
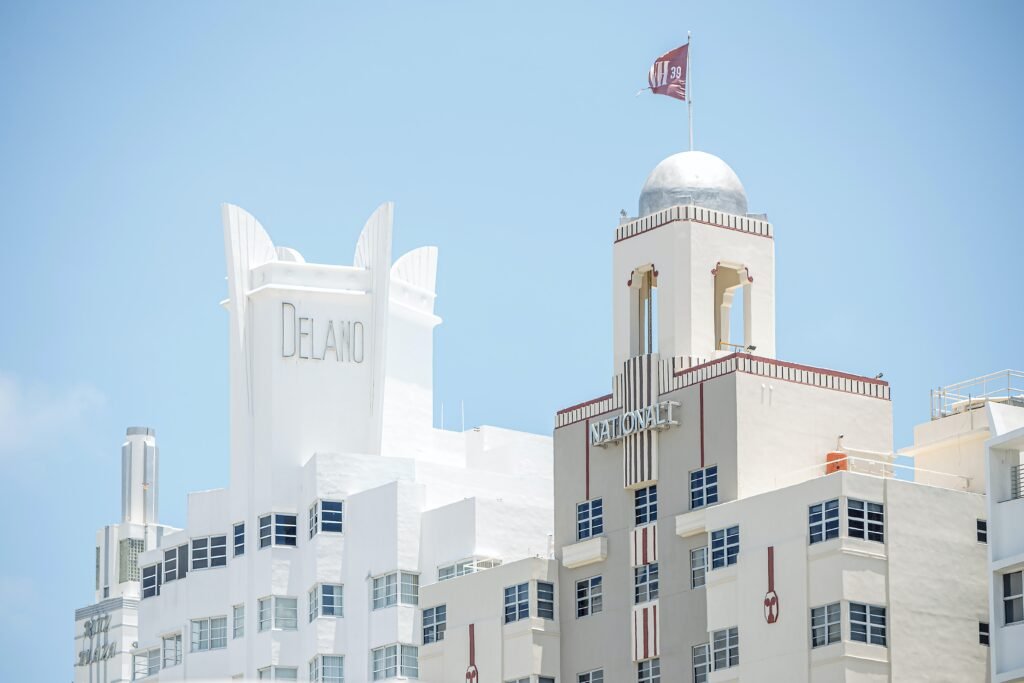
{"points": [[1016, 482], [1005, 386]]}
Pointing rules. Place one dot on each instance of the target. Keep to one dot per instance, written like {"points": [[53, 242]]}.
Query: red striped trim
{"points": [[472, 644], [584, 404], [702, 425], [646, 650], [692, 220], [785, 364], [654, 620], [586, 438]]}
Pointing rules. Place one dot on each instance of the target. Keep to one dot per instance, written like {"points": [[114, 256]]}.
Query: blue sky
{"points": [[882, 139]]}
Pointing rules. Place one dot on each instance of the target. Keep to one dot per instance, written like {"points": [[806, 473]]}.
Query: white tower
{"points": [[140, 473]]}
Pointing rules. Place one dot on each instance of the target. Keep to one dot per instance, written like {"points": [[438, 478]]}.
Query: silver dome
{"points": [[693, 178]]}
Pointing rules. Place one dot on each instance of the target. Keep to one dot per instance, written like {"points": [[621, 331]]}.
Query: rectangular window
{"points": [[239, 539], [704, 487], [410, 589], [211, 551], [701, 663], [286, 613], [649, 671], [172, 650], [265, 524], [823, 521], [825, 625], [726, 648], [284, 529], [326, 599], [327, 669], [545, 679], [263, 614], [517, 602], [385, 662], [1013, 597], [866, 520], [385, 591], [867, 623], [171, 565], [435, 621], [983, 632], [698, 566], [589, 599], [238, 621], [209, 634], [410, 664], [151, 578], [545, 600], [589, 518], [466, 567], [595, 676], [332, 516], [725, 547], [982, 531], [278, 673], [645, 505], [146, 663], [645, 583]]}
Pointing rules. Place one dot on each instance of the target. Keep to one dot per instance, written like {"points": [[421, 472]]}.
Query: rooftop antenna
{"points": [[689, 86]]}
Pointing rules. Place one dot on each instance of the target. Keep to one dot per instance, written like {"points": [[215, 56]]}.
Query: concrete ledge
{"points": [[585, 552], [691, 523]]}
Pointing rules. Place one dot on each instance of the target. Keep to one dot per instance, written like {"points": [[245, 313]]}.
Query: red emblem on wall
{"points": [[771, 598], [472, 675]]}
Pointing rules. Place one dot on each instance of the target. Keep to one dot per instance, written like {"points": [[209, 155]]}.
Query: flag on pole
{"points": [[668, 73]]}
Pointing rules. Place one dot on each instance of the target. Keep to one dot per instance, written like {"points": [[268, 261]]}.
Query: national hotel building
{"points": [[720, 515]]}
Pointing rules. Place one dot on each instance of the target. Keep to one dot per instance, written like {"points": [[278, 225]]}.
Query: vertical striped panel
{"points": [[646, 632], [640, 451], [643, 547]]}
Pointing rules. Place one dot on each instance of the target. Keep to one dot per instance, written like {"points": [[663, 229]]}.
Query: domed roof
{"points": [[693, 178]]}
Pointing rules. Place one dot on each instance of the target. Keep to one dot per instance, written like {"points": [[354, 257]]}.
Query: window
{"points": [[410, 664], [645, 504], [286, 613], [146, 663], [278, 673], [588, 596], [866, 520], [176, 563], [265, 539], [726, 648], [701, 663], [326, 515], [435, 621], [823, 521], [1013, 597], [645, 583], [982, 531], [545, 679], [517, 602], [238, 619], [151, 577], [825, 623], [983, 633], [698, 566], [239, 536], [725, 547], [128, 550], [410, 589], [326, 599], [327, 669], [263, 613], [867, 623], [209, 552], [595, 676], [643, 294], [704, 487], [283, 611], [545, 600], [649, 671], [589, 518], [466, 567], [385, 591], [209, 634], [386, 663], [172, 650]]}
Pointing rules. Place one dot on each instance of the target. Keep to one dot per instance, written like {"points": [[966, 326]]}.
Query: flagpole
{"points": [[689, 87]]}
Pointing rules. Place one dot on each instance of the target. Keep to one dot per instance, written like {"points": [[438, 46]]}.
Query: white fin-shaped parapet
{"points": [[417, 268], [375, 237], [290, 255]]}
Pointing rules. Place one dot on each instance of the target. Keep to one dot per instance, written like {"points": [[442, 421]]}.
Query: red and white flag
{"points": [[668, 73]]}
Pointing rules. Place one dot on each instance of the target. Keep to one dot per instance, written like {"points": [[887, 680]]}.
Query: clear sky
{"points": [[883, 141]]}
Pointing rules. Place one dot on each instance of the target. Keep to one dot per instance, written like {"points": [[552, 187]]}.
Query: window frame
{"points": [[155, 579], [828, 616], [698, 575], [434, 623], [728, 553], [238, 621], [725, 642], [176, 650], [701, 669], [984, 633], [865, 520], [318, 607], [592, 676], [589, 596], [589, 519], [823, 521], [645, 583], [649, 671], [982, 530], [202, 638], [703, 487], [645, 505], [867, 629], [238, 539], [546, 600], [384, 591], [203, 556], [318, 668], [516, 602], [1013, 598]]}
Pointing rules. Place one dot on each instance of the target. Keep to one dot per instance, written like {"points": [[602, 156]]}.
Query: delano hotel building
{"points": [[720, 515]]}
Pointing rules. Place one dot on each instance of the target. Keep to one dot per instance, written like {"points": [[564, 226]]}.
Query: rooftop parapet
{"points": [[1005, 386]]}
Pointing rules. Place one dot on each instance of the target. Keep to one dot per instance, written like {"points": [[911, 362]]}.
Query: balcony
{"points": [[1005, 386]]}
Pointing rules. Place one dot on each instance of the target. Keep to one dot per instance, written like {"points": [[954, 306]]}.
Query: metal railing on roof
{"points": [[1005, 386], [1016, 482]]}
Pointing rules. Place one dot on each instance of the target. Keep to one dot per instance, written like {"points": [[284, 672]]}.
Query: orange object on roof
{"points": [[834, 462]]}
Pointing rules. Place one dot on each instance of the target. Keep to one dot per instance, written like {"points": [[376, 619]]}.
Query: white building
{"points": [[344, 501]]}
